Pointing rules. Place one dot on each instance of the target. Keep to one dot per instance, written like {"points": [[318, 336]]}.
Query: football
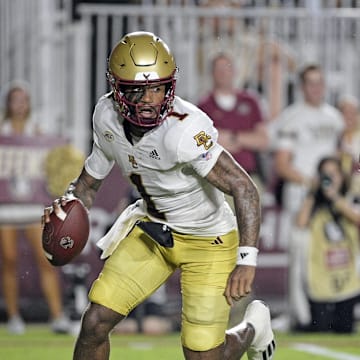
{"points": [[66, 234]]}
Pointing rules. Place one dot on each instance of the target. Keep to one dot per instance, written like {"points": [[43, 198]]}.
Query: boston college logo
{"points": [[203, 139], [133, 161]]}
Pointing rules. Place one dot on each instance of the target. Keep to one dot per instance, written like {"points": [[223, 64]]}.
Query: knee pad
{"points": [[204, 321], [202, 333], [202, 337]]}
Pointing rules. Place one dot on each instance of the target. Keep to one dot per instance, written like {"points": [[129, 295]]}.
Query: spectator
{"points": [[18, 121], [350, 141], [332, 223], [305, 132], [237, 116], [262, 61]]}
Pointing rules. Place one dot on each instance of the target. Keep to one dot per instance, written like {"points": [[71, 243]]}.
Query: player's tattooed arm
{"points": [[230, 177], [85, 188]]}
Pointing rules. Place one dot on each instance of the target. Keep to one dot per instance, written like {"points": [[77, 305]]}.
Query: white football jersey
{"points": [[167, 166]]}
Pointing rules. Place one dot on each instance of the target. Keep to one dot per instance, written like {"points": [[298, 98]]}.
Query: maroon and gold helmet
{"points": [[141, 59]]}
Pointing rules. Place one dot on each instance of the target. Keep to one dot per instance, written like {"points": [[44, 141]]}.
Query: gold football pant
{"points": [[139, 266]]}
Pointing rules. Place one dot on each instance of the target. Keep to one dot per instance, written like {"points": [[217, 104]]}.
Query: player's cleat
{"points": [[263, 345], [16, 325]]}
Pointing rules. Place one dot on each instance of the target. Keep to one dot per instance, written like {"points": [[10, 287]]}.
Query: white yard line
{"points": [[318, 350]]}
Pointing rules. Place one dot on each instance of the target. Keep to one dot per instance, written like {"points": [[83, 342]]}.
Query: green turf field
{"points": [[39, 343]]}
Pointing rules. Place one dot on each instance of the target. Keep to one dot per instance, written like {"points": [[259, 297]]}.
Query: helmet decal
{"points": [[146, 76]]}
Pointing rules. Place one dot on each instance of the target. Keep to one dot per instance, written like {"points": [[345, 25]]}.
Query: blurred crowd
{"points": [[299, 143]]}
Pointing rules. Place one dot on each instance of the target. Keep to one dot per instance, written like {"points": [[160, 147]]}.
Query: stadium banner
{"points": [[22, 173]]}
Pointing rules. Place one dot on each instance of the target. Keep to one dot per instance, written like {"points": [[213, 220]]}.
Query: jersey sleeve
{"points": [[98, 164], [198, 145]]}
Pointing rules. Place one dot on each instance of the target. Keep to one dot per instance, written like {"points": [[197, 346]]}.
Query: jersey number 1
{"points": [[136, 180]]}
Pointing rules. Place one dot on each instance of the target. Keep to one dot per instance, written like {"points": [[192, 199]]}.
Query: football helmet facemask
{"points": [[140, 60]]}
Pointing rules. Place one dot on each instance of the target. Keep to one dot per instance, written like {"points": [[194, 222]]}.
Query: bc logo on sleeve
{"points": [[203, 139]]}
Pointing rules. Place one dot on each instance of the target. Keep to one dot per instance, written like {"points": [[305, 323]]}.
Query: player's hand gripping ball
{"points": [[66, 234]]}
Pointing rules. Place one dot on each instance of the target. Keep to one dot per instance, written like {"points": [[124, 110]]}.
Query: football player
{"points": [[168, 149]]}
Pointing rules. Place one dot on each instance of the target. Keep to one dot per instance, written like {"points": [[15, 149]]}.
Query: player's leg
{"points": [[93, 341], [8, 245], [206, 312], [206, 265], [130, 275], [253, 336], [49, 280]]}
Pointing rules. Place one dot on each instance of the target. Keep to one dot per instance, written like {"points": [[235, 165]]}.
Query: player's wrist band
{"points": [[247, 255]]}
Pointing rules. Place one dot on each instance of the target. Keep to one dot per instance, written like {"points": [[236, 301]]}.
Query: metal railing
{"points": [[314, 5], [41, 45]]}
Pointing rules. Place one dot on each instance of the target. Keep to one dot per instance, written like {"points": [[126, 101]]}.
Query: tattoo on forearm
{"points": [[86, 188], [230, 178], [248, 214]]}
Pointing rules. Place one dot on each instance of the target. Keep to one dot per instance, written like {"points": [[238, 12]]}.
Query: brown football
{"points": [[66, 234]]}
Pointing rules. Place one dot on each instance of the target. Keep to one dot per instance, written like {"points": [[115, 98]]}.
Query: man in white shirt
{"points": [[305, 132]]}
